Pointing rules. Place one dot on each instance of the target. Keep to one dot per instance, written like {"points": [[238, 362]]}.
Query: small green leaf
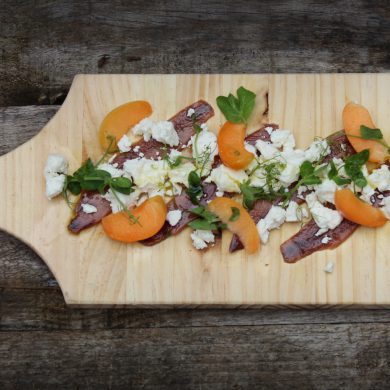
{"points": [[311, 180], [122, 185], [231, 114], [247, 102], [368, 133], [306, 169], [202, 224], [235, 214]]}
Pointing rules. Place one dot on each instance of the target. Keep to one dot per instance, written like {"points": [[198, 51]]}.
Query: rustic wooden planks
{"points": [[93, 270]]}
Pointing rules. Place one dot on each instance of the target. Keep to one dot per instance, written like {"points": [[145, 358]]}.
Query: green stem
{"points": [[124, 208]]}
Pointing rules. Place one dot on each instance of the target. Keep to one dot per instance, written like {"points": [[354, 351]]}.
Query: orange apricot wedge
{"points": [[231, 146], [119, 121], [242, 225], [355, 210], [151, 216], [354, 116]]}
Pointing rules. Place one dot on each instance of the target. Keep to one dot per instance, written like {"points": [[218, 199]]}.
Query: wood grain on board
{"points": [[92, 270]]}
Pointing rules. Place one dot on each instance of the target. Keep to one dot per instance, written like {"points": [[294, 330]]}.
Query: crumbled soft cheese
{"points": [[219, 194], [325, 191], [300, 191], [250, 148], [206, 148], [174, 154], [88, 208], [320, 232], [266, 149], [329, 267], [200, 238], [136, 148], [289, 174], [113, 171], [128, 200], [326, 239], [55, 172], [165, 132], [283, 139], [273, 220], [180, 173], [366, 193], [292, 160], [343, 147], [295, 213], [269, 129], [380, 178], [144, 128], [148, 175], [173, 217], [124, 144], [324, 217], [190, 112], [227, 179], [319, 148]]}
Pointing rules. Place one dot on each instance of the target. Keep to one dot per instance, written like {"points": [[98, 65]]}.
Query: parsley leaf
{"points": [[369, 133], [206, 221], [251, 194], [237, 109], [353, 167], [334, 175], [309, 174], [195, 189]]}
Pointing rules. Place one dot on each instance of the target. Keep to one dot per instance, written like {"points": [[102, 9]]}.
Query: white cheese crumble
{"points": [[227, 179], [219, 194], [190, 112], [127, 200], [55, 172], [163, 131], [124, 144], [326, 239], [269, 129], [205, 150], [283, 139], [324, 217], [88, 208], [273, 220], [329, 267], [179, 174], [295, 213], [111, 169], [380, 178], [266, 149], [319, 148], [325, 191], [173, 217], [200, 238]]}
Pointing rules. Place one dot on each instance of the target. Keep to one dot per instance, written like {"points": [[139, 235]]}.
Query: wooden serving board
{"points": [[92, 270]]}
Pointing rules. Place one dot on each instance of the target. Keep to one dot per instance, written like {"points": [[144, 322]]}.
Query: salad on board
{"points": [[179, 174]]}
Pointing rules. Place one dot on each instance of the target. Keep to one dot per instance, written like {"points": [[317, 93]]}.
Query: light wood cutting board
{"points": [[92, 270]]}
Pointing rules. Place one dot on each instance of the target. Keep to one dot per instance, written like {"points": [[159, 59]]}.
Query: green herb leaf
{"points": [[195, 189], [334, 175], [235, 214], [251, 194], [353, 167], [122, 185], [206, 221], [306, 169], [368, 133], [237, 109], [247, 102]]}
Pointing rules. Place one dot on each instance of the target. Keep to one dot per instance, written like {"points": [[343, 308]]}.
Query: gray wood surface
{"points": [[43, 343], [45, 43]]}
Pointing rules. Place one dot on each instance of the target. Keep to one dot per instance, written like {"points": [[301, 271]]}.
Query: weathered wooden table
{"points": [[45, 344]]}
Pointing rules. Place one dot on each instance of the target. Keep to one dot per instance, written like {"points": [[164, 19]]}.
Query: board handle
{"points": [[23, 204]]}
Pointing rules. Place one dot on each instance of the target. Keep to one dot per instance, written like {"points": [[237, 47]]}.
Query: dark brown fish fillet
{"points": [[184, 128], [83, 220], [183, 203], [305, 242]]}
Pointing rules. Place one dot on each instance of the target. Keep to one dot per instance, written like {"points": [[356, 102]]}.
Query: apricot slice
{"points": [[355, 210], [354, 116], [231, 146], [151, 216], [238, 222], [118, 122]]}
